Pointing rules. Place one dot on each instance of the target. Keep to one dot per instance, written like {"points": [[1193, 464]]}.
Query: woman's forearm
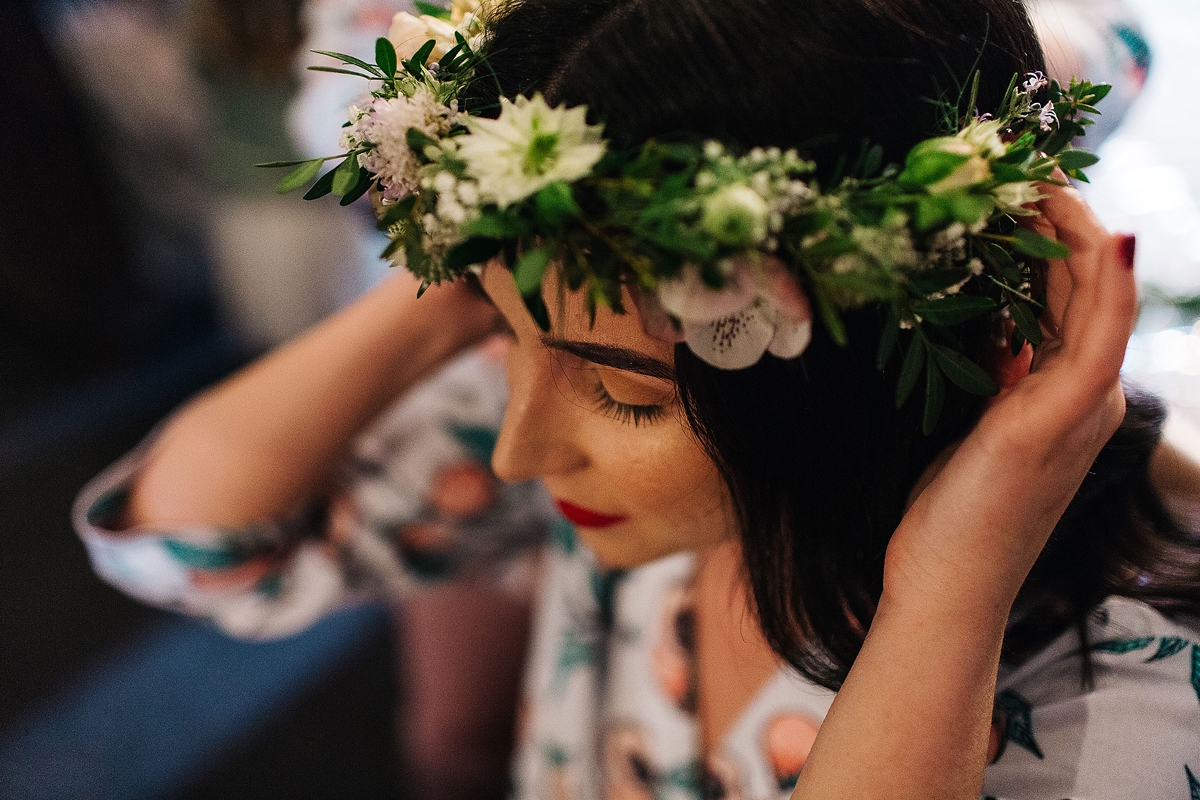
{"points": [[913, 717], [264, 441]]}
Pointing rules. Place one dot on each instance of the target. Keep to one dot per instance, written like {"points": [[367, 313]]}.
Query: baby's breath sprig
{"points": [[732, 251]]}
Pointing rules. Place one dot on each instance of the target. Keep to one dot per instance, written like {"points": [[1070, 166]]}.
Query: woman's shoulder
{"points": [[1131, 729]]}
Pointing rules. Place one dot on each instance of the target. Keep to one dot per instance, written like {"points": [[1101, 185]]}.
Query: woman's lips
{"points": [[586, 517]]}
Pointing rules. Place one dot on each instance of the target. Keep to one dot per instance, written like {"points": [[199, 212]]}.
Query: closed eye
{"points": [[626, 412]]}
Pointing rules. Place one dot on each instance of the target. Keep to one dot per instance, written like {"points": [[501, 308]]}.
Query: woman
{"points": [[880, 562]]}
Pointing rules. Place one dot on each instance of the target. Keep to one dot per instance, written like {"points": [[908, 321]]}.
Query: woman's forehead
{"points": [[570, 318]]}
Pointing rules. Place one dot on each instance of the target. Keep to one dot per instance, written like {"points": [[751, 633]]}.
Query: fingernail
{"points": [[1128, 249]]}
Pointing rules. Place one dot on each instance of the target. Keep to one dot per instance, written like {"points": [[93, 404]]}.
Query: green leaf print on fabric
{"points": [[685, 778], [555, 754], [1196, 669], [1019, 725], [573, 651], [224, 556], [1122, 645], [1167, 647], [478, 440], [1193, 784], [562, 534]]}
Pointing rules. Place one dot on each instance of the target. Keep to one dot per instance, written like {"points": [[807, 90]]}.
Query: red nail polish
{"points": [[1128, 248]]}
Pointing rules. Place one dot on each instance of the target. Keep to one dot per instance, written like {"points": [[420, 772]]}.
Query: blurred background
{"points": [[142, 258]]}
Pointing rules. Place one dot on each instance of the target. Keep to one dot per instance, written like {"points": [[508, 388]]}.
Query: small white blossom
{"points": [[1048, 117], [468, 193], [736, 215], [761, 183], [1011, 198], [889, 244], [386, 128], [976, 266], [444, 183], [984, 135], [713, 150], [1035, 82], [528, 147]]}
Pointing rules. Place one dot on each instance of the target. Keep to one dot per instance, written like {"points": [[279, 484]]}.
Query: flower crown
{"points": [[733, 252]]}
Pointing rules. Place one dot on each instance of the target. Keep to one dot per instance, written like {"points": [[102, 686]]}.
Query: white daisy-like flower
{"points": [[529, 146], [386, 127], [1011, 198], [984, 135], [760, 309]]}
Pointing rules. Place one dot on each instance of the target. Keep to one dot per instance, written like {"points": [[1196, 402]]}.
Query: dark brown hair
{"points": [[818, 459]]}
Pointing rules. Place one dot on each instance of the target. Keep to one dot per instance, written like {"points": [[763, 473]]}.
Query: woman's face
{"points": [[593, 412]]}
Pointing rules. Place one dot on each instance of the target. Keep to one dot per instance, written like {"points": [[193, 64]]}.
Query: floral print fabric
{"points": [[608, 708]]}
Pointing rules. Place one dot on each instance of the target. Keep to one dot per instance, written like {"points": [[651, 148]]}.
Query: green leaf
{"points": [[385, 56], [497, 226], [935, 395], [415, 64], [476, 250], [322, 187], [956, 309], [931, 212], [964, 372], [1026, 321], [930, 166], [345, 177], [1076, 159], [1007, 173], [432, 10], [300, 176], [358, 62], [914, 359], [888, 341], [970, 208], [396, 212], [829, 314], [275, 164], [341, 71], [1100, 91], [537, 310], [1034, 244], [393, 246], [556, 204], [532, 266], [359, 189]]}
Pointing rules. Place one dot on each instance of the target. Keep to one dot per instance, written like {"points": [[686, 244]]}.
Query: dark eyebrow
{"points": [[615, 357]]}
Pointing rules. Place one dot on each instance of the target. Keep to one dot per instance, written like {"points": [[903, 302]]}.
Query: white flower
{"points": [[386, 127], [1048, 117], [1035, 82], [528, 147], [984, 136], [409, 34], [973, 171], [761, 309], [736, 215], [890, 244], [1011, 198]]}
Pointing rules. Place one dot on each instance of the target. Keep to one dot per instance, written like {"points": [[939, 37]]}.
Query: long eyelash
{"points": [[625, 412]]}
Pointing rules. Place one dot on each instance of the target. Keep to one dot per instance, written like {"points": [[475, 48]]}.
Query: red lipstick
{"points": [[587, 518]]}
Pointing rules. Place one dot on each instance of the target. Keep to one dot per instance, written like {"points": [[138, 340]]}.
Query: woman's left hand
{"points": [[913, 717]]}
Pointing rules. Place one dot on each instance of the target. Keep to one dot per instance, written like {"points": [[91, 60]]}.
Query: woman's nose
{"points": [[539, 435]]}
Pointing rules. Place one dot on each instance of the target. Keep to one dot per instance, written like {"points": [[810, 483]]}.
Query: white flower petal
{"points": [[733, 342], [690, 299], [791, 338]]}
